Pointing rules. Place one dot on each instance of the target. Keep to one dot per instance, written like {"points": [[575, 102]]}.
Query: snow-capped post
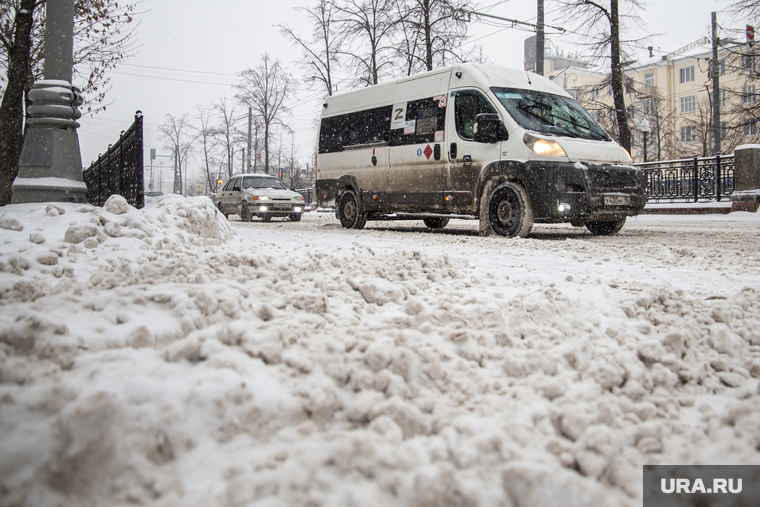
{"points": [[50, 168], [746, 194]]}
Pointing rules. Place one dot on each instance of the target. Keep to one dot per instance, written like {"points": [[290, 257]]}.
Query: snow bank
{"points": [[153, 357]]}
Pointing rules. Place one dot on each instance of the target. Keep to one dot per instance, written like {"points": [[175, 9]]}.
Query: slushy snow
{"points": [[166, 356]]}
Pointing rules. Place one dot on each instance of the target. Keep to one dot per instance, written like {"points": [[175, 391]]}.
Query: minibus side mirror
{"points": [[489, 129]]}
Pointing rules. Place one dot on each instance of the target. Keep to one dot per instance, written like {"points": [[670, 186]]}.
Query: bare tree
{"points": [[226, 130], [602, 21], [747, 9], [175, 132], [320, 51], [16, 44], [371, 24], [431, 37], [265, 89], [208, 142], [102, 37]]}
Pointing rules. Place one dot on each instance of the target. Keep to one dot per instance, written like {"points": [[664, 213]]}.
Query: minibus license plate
{"points": [[614, 200]]}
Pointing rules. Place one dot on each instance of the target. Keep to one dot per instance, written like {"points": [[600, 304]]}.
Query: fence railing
{"points": [[119, 170], [690, 180]]}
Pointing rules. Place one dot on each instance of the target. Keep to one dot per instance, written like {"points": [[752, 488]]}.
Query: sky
{"points": [[189, 54]]}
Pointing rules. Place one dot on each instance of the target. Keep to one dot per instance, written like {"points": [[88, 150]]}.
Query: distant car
{"points": [[259, 195], [153, 194]]}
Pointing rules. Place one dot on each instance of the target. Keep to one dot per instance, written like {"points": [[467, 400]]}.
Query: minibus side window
{"points": [[370, 126], [426, 117], [467, 105]]}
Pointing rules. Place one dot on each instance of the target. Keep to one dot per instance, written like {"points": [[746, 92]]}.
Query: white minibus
{"points": [[505, 146]]}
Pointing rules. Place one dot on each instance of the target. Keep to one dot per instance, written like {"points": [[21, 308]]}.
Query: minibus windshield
{"points": [[549, 114]]}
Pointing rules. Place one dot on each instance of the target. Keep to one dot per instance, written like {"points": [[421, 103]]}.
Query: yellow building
{"points": [[672, 93]]}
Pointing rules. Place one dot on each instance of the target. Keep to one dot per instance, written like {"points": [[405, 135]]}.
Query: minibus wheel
{"points": [[350, 211], [509, 211], [605, 228], [436, 222]]}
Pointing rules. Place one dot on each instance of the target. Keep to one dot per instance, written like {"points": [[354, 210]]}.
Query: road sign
{"points": [[198, 187], [750, 35]]}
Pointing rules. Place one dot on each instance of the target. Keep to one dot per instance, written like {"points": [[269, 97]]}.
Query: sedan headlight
{"points": [[260, 198], [544, 146]]}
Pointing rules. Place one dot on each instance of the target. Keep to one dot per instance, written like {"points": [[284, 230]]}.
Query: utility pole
{"points": [[250, 122], [463, 14], [715, 67], [540, 39], [50, 168]]}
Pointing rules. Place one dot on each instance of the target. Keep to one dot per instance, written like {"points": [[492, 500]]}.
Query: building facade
{"points": [[669, 96]]}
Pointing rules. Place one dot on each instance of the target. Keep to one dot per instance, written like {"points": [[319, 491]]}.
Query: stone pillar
{"points": [[746, 194], [50, 168]]}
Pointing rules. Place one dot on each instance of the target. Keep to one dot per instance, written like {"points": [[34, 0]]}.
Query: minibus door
{"points": [[417, 158], [466, 158]]}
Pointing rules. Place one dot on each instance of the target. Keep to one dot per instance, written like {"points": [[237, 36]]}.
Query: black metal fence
{"points": [[119, 170], [690, 180]]}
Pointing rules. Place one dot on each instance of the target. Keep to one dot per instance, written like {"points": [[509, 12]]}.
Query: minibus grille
{"points": [[606, 178]]}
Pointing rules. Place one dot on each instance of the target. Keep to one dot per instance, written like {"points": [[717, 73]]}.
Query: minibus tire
{"points": [[436, 222], [605, 228], [350, 211], [245, 214], [509, 211]]}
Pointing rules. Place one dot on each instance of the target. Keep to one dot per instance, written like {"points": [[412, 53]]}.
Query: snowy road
{"points": [[166, 357]]}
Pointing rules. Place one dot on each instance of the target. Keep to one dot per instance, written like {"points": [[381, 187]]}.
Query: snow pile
{"points": [[159, 359]]}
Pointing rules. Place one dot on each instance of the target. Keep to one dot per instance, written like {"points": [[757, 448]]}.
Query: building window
{"points": [[594, 93], [748, 94], [687, 104], [649, 79], [686, 74], [748, 62], [629, 85], [750, 129], [688, 134], [609, 89], [647, 106], [722, 99], [611, 116], [631, 112]]}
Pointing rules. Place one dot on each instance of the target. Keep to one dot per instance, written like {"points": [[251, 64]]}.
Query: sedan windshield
{"points": [[256, 182], [549, 114]]}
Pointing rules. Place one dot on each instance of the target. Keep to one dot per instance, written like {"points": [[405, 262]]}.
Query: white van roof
{"points": [[472, 75]]}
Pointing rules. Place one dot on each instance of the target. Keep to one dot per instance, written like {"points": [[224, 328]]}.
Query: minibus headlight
{"points": [[544, 146], [628, 155]]}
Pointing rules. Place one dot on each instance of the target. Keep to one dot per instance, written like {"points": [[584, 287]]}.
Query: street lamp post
{"points": [[645, 128], [50, 168]]}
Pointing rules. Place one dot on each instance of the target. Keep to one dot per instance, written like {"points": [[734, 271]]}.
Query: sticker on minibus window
{"points": [[509, 95], [398, 116], [438, 136], [409, 126]]}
